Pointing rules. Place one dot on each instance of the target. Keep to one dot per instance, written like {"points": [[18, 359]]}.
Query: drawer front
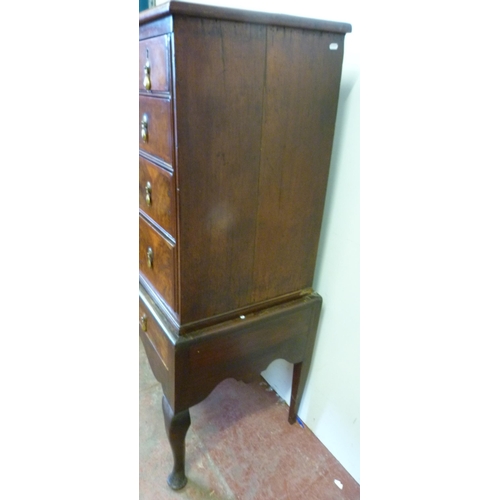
{"points": [[155, 127], [156, 261], [154, 65], [156, 335], [157, 195]]}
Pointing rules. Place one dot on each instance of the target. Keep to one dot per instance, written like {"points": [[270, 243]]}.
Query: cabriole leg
{"points": [[176, 426]]}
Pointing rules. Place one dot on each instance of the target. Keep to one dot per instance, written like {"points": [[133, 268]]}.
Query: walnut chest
{"points": [[236, 121]]}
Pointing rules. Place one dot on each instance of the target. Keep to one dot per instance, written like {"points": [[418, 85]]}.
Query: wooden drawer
{"points": [[156, 261], [157, 195], [154, 65], [155, 127], [156, 335]]}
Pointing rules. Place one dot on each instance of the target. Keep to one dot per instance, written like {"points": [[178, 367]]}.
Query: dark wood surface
{"points": [[256, 112], [219, 72], [189, 367], [162, 206], [163, 346], [176, 426], [152, 26], [157, 51], [299, 102], [241, 117], [240, 15], [243, 348], [161, 274], [160, 141]]}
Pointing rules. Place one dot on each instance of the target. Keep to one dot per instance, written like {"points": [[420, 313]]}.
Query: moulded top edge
{"points": [[233, 14]]}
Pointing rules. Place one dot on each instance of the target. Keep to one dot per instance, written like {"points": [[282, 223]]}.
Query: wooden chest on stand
{"points": [[236, 121]]}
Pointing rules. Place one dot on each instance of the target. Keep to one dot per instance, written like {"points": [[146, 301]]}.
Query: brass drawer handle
{"points": [[148, 193], [144, 128], [147, 76], [150, 257], [144, 323]]}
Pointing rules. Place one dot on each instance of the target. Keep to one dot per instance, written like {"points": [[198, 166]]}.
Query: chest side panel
{"points": [[219, 85], [255, 109], [300, 103]]}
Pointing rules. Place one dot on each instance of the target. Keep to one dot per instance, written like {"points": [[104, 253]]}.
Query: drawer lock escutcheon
{"points": [[150, 257], [144, 323], [148, 193], [147, 76], [144, 128]]}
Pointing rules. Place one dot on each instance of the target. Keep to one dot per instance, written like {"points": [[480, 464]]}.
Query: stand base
{"points": [[190, 367]]}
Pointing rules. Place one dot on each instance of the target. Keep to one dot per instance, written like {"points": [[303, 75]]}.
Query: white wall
{"points": [[330, 406]]}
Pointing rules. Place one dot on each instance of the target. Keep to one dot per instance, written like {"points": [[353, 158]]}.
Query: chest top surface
{"points": [[242, 15]]}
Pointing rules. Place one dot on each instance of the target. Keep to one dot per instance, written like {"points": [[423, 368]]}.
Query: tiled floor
{"points": [[239, 446]]}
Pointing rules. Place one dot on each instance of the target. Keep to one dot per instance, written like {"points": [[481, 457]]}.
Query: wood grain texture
{"points": [[240, 15], [162, 207], [256, 112], [300, 103], [158, 365], [157, 337], [160, 142], [238, 348], [241, 349], [161, 275], [219, 79], [157, 51], [150, 27], [240, 136]]}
